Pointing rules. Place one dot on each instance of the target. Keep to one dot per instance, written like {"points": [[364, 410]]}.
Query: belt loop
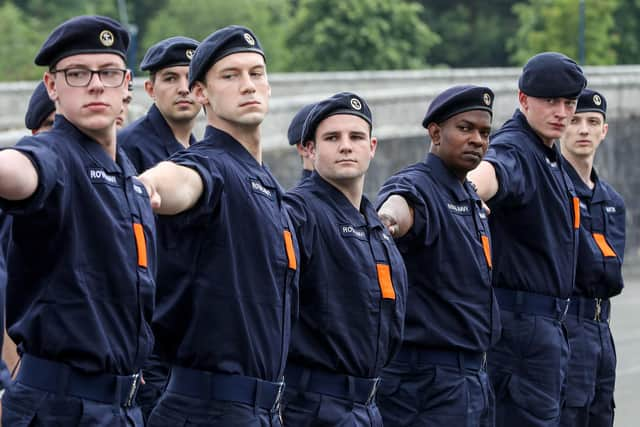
{"points": [[257, 396], [63, 378], [581, 307], [118, 394], [415, 358], [519, 298], [518, 302], [351, 389], [305, 379], [461, 364]]}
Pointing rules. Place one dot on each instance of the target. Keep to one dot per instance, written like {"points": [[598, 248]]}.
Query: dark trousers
{"points": [[592, 375], [177, 410], [415, 393], [156, 375], [528, 369], [309, 409], [323, 398], [24, 406]]}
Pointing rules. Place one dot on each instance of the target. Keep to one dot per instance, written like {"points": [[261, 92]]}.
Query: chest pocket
{"points": [[142, 222], [383, 268], [597, 230], [482, 227], [290, 250]]}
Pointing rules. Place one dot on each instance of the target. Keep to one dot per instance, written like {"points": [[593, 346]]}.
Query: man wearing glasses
{"points": [[81, 263]]}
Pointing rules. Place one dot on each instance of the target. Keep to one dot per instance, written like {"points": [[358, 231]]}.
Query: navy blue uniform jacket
{"points": [[353, 283], [234, 313], [82, 257], [535, 214], [447, 252], [602, 238]]}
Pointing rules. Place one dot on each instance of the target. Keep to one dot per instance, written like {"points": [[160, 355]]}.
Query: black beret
{"points": [[294, 134], [224, 42], [84, 34], [590, 100], [456, 100], [340, 103], [168, 53], [552, 75], [40, 106]]}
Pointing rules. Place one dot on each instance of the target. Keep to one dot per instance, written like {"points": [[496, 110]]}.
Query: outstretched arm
{"points": [[18, 176], [396, 214], [485, 179], [172, 188]]}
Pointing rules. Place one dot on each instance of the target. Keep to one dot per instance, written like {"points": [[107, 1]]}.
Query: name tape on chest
{"points": [[459, 209], [347, 230], [100, 176], [257, 187]]}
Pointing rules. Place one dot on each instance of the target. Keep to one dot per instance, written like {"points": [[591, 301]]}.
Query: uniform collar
{"points": [[167, 137], [220, 139], [448, 179], [365, 217], [122, 165], [597, 195], [600, 194], [552, 152]]}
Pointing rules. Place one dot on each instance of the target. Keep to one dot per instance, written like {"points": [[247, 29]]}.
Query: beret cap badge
{"points": [[249, 39], [189, 53], [597, 100], [486, 98], [106, 38], [356, 104]]}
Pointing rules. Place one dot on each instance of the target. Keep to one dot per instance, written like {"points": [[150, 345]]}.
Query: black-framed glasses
{"points": [[80, 77]]}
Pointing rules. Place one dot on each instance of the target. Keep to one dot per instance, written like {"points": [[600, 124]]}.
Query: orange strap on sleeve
{"points": [[576, 213], [291, 253], [487, 250], [141, 244], [601, 241], [384, 279]]}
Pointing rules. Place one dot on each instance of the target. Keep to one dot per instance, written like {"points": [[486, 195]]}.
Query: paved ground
{"points": [[625, 326]]}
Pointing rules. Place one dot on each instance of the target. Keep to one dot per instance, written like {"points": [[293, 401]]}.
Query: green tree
{"points": [[628, 30], [552, 25], [49, 14], [199, 18], [473, 32], [329, 35], [20, 43]]}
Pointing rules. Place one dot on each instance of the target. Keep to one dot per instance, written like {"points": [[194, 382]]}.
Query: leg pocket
{"points": [[537, 386], [20, 405], [299, 408], [12, 416]]}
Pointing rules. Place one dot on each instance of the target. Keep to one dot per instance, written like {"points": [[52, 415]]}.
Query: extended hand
{"points": [[154, 197]]}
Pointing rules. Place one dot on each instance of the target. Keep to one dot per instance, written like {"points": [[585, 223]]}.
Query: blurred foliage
{"points": [[627, 31], [20, 43], [199, 18], [323, 35], [328, 35], [552, 25], [473, 33]]}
